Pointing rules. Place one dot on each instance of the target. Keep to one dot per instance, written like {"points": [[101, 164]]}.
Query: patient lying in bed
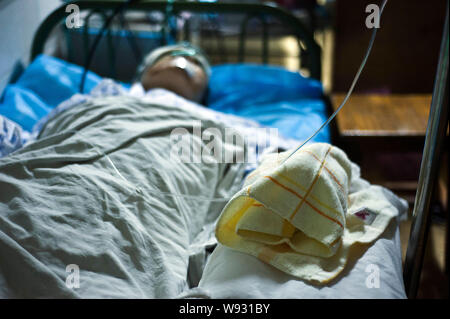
{"points": [[96, 207], [97, 189]]}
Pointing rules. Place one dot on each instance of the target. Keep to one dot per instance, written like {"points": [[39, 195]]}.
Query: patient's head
{"points": [[180, 68]]}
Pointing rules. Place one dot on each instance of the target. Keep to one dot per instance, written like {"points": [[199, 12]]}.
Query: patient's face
{"points": [[167, 74]]}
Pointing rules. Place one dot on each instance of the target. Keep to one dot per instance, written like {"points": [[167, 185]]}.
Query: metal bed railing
{"points": [[434, 139], [261, 12]]}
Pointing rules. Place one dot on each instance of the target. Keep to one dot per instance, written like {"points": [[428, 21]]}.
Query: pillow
{"points": [[45, 83], [236, 86], [272, 96]]}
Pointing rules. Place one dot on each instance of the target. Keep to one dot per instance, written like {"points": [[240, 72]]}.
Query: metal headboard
{"points": [[307, 45]]}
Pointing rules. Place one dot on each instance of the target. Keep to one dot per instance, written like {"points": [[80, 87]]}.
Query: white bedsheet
{"points": [[371, 273], [231, 274], [258, 138]]}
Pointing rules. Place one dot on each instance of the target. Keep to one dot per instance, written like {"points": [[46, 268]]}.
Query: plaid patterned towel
{"points": [[299, 215]]}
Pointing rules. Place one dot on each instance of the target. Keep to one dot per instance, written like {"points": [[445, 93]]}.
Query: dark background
{"points": [[405, 53]]}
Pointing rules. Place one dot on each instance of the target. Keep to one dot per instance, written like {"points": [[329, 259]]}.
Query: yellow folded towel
{"points": [[299, 216]]}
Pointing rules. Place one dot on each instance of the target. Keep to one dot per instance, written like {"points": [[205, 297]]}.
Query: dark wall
{"points": [[405, 54]]}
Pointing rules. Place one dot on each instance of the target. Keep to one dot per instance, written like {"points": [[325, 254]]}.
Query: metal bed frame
{"points": [[429, 169], [307, 45], [438, 118]]}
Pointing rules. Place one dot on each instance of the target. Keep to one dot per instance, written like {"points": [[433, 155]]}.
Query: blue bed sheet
{"points": [[270, 95]]}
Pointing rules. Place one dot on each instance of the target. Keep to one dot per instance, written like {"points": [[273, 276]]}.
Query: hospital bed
{"points": [[288, 107]]}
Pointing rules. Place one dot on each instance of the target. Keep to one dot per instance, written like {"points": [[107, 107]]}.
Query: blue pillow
{"points": [[45, 83], [272, 96], [236, 86]]}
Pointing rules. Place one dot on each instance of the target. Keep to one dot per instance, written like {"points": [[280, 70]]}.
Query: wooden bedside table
{"points": [[375, 116], [385, 135]]}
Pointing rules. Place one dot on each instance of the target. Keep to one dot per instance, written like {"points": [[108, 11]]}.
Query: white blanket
{"points": [[93, 194], [86, 210]]}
